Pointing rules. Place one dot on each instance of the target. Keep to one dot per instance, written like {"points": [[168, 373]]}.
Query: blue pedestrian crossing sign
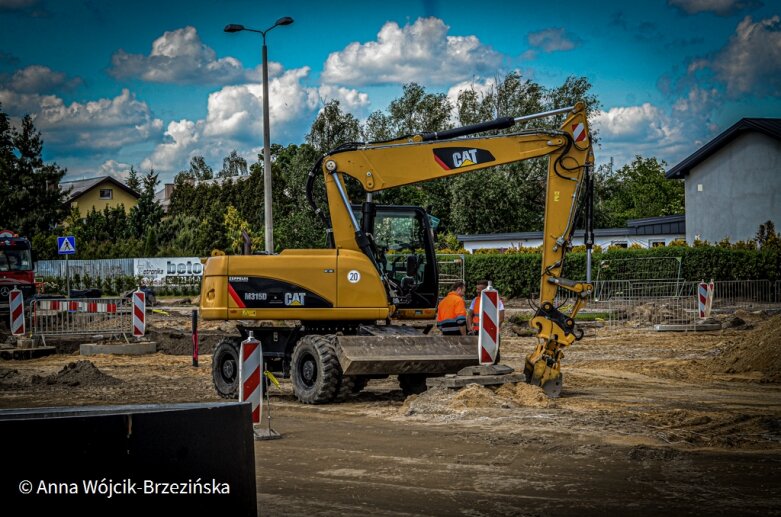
{"points": [[66, 245]]}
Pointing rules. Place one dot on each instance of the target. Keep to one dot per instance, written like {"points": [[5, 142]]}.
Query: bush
{"points": [[518, 274]]}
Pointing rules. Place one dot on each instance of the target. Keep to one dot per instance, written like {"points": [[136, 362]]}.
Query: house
{"points": [[733, 183], [647, 232], [99, 193]]}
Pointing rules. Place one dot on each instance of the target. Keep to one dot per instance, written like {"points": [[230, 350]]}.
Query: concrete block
{"points": [[459, 381], [141, 348]]}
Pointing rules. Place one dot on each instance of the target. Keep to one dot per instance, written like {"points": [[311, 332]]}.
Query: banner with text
{"points": [[169, 270]]}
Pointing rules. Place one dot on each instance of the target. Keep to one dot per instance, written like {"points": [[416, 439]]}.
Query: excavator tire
{"points": [[316, 374], [225, 368], [359, 383], [345, 389], [412, 383]]}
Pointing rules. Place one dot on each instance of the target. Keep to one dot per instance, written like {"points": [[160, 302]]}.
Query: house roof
{"points": [[77, 188], [664, 225], [767, 126]]}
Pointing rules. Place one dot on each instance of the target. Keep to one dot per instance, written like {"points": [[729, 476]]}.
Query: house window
{"points": [[656, 243], [619, 244], [106, 193]]}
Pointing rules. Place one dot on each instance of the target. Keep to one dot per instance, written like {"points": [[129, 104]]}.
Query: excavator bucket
{"points": [[543, 368], [391, 354]]}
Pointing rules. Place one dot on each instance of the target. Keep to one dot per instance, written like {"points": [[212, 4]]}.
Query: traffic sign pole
{"points": [[67, 246]]}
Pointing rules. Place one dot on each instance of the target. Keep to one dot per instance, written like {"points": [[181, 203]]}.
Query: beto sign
{"points": [[159, 271]]}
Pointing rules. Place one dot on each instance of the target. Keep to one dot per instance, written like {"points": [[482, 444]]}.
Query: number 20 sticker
{"points": [[354, 276]]}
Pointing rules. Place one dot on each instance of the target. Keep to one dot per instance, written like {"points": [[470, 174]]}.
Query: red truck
{"points": [[16, 267]]}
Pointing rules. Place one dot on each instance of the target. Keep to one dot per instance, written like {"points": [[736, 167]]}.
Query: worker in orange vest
{"points": [[451, 312], [473, 316]]}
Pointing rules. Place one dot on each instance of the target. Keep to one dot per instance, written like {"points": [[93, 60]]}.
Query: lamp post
{"points": [[266, 138]]}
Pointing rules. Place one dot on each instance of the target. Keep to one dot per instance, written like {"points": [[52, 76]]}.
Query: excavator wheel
{"points": [[225, 368], [345, 389], [316, 374]]}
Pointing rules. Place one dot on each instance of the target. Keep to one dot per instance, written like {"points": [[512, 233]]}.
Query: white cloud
{"points": [[421, 52], [633, 124], [38, 79], [115, 169], [553, 40], [234, 120], [181, 57], [648, 130], [719, 7], [100, 125], [751, 62]]}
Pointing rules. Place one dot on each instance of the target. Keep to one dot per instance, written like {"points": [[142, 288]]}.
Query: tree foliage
{"points": [[32, 202]]}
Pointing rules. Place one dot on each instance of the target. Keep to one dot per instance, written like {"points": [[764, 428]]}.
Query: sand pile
{"points": [[444, 401], [524, 395], [80, 373], [653, 312], [757, 350]]}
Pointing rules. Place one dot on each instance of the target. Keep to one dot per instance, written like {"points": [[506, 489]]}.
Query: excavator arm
{"points": [[429, 156]]}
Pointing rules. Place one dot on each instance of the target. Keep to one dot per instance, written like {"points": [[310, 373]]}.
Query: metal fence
{"points": [[84, 316], [647, 303], [451, 270], [103, 268]]}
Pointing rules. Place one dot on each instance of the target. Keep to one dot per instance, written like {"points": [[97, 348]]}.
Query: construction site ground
{"points": [[647, 423]]}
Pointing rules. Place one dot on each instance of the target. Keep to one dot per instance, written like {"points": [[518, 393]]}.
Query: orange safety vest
{"points": [[451, 313], [476, 313]]}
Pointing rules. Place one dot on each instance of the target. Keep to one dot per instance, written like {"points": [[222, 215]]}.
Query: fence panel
{"points": [[451, 270], [83, 316], [103, 268]]}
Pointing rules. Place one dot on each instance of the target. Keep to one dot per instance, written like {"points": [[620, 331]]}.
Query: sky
{"points": [[151, 84]]}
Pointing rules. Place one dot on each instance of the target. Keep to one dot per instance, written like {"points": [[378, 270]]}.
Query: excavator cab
{"points": [[403, 244]]}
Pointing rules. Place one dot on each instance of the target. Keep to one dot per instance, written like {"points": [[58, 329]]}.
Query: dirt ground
{"points": [[647, 423]]}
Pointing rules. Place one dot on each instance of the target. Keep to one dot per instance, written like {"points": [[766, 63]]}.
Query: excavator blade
{"points": [[404, 354]]}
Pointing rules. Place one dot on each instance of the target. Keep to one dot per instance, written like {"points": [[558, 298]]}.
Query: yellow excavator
{"points": [[325, 316]]}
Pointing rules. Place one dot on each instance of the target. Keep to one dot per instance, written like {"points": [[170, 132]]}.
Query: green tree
{"points": [[32, 202], [133, 181], [233, 165], [200, 170], [147, 213], [640, 189], [333, 127]]}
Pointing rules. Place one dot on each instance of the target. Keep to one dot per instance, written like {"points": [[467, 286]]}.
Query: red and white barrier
{"points": [[89, 307], [16, 307], [705, 293], [250, 386], [139, 313], [488, 338]]}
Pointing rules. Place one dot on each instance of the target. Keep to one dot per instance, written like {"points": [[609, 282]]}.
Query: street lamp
{"points": [[287, 20]]}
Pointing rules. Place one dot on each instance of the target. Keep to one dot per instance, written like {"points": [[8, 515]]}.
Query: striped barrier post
{"points": [[139, 313], [250, 386], [16, 309], [702, 299], [488, 338], [711, 293]]}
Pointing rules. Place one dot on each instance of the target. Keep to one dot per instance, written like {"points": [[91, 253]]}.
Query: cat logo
{"points": [[450, 158], [294, 299]]}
